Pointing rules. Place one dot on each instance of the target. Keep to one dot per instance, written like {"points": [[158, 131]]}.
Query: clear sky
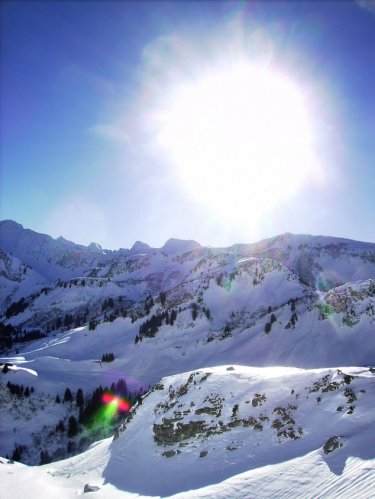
{"points": [[222, 122]]}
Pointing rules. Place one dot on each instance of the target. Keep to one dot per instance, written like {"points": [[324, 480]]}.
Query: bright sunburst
{"points": [[239, 137]]}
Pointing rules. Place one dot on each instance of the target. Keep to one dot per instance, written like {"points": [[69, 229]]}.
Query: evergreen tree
{"points": [[194, 311], [81, 415], [108, 357], [73, 427], [92, 324], [60, 426], [68, 319], [173, 317], [17, 452], [121, 388], [44, 457], [16, 308], [92, 406], [162, 298], [68, 397], [71, 447], [79, 397]]}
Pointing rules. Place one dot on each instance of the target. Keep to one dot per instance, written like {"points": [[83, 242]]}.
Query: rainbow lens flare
{"points": [[112, 405], [115, 403]]}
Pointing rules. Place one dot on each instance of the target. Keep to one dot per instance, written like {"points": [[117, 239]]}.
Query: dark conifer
{"points": [[17, 452], [68, 397], [73, 427], [79, 397]]}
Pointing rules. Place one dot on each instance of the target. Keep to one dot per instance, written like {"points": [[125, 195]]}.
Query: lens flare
{"points": [[113, 406], [115, 403]]}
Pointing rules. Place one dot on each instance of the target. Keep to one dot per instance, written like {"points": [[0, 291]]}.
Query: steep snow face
{"points": [[229, 432], [198, 428], [320, 261], [17, 279], [247, 323], [81, 298], [253, 311], [53, 258]]}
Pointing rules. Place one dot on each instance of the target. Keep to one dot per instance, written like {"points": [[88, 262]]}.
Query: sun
{"points": [[239, 137]]}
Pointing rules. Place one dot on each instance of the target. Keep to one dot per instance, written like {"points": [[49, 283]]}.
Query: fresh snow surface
{"points": [[303, 303], [262, 434], [71, 358]]}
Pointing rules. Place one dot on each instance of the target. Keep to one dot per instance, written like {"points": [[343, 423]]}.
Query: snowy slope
{"points": [[53, 258], [332, 331], [251, 311], [232, 432], [320, 261], [17, 279], [295, 301]]}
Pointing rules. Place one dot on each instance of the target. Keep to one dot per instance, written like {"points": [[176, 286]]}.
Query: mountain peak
{"points": [[140, 247], [179, 245], [95, 247], [10, 224]]}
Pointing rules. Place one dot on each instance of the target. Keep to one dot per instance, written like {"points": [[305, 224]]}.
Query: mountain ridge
{"points": [[59, 258], [74, 317], [9, 223]]}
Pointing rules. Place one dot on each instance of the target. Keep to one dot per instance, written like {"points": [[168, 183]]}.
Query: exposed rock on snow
{"points": [[223, 431], [332, 444], [90, 488]]}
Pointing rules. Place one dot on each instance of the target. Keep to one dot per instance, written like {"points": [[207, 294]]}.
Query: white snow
{"points": [[239, 462], [237, 292]]}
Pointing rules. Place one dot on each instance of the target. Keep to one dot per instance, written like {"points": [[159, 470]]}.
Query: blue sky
{"points": [[80, 83]]}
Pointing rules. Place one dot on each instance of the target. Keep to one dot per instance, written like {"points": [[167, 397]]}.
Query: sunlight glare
{"points": [[240, 138]]}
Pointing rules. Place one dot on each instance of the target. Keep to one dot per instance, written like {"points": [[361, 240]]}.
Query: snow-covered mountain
{"points": [[53, 258], [228, 432], [85, 318], [54, 265], [320, 261]]}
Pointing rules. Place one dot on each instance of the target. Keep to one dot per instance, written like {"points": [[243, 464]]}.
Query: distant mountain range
{"points": [[82, 317]]}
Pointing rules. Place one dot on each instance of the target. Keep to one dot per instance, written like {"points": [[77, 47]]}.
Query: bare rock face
{"points": [[90, 488], [332, 444], [167, 433]]}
